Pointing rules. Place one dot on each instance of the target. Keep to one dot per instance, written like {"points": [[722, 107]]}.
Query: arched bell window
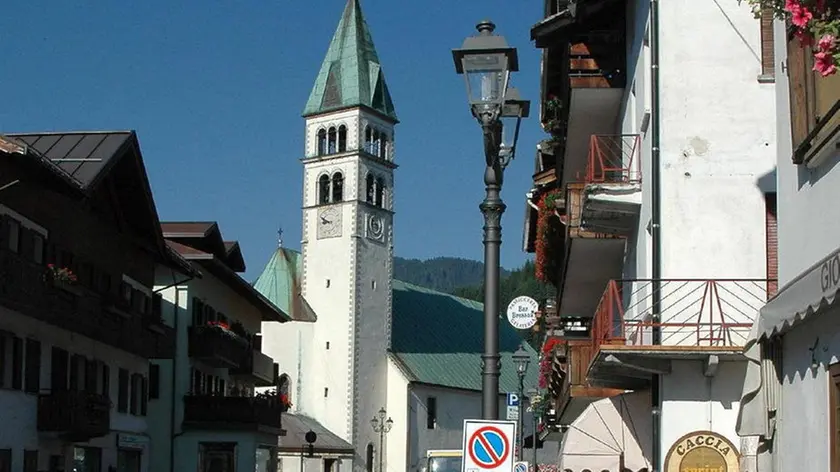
{"points": [[323, 189], [332, 141], [383, 146], [322, 142], [342, 138], [370, 190], [380, 192], [368, 139], [338, 187]]}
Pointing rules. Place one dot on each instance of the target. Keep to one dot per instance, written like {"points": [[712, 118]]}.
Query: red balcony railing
{"points": [[614, 159], [693, 312]]}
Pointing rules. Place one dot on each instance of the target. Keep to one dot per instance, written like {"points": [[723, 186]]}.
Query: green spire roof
{"points": [[280, 283], [351, 74]]}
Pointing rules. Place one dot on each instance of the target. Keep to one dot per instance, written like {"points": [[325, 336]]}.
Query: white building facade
{"points": [[655, 109]]}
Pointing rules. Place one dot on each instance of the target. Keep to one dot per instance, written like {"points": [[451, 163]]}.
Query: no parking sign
{"points": [[488, 446]]}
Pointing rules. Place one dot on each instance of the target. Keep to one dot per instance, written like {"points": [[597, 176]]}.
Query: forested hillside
{"points": [[444, 274]]}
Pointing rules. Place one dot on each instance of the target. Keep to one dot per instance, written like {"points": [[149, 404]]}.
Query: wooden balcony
{"points": [[76, 416], [209, 412], [256, 367], [698, 318], [217, 346], [25, 288]]}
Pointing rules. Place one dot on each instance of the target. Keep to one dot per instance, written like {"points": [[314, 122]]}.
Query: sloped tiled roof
{"points": [[296, 427], [280, 282], [439, 339], [351, 74]]}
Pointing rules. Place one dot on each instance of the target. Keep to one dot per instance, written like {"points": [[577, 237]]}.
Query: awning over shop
{"points": [[294, 441], [813, 290], [612, 434]]}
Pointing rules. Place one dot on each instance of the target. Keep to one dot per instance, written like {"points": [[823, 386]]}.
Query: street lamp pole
{"points": [[486, 62], [382, 426], [521, 359]]}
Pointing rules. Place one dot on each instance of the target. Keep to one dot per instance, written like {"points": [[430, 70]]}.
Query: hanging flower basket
{"points": [[816, 23], [61, 275], [547, 235], [554, 125]]}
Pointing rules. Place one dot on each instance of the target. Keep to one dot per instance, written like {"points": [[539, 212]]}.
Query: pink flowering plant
{"points": [[816, 23]]}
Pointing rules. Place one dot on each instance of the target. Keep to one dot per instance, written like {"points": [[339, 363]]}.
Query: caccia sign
{"points": [[522, 312]]}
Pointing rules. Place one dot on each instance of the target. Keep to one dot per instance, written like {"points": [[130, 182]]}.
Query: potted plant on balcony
{"points": [[554, 124], [547, 237], [815, 22], [61, 277]]}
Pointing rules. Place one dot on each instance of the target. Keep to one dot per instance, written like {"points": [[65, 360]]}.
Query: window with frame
{"points": [[431, 413]]}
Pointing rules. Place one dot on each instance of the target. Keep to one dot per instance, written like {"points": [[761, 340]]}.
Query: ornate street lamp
{"points": [[486, 62], [521, 359], [382, 426]]}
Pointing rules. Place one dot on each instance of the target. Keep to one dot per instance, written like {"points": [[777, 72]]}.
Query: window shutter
{"points": [[768, 55], [32, 382], [154, 381], [771, 244], [17, 363], [122, 394], [5, 223], [798, 72]]}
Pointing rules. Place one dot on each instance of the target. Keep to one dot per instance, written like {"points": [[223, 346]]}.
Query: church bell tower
{"points": [[347, 245]]}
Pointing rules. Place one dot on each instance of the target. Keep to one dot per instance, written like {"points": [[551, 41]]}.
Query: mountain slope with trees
{"points": [[444, 274]]}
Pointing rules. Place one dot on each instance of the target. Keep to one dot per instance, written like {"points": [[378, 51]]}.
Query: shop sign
{"points": [[702, 451], [131, 441]]}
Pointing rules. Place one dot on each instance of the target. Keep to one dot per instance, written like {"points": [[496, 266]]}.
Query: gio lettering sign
{"points": [[830, 274], [702, 451]]}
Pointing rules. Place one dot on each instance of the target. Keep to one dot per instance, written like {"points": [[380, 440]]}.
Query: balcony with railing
{"points": [[26, 287], [216, 412], [607, 199], [74, 415], [697, 318], [217, 346], [256, 368]]}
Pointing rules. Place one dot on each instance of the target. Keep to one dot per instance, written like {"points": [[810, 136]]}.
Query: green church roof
{"points": [[437, 337], [351, 74], [280, 283]]}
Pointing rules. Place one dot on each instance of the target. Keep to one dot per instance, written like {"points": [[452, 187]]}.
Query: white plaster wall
{"points": [[716, 140], [694, 402], [20, 410], [396, 450], [807, 196], [290, 344], [803, 425], [717, 136]]}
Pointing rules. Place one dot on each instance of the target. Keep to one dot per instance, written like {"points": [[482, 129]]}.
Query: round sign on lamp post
{"points": [[522, 312]]}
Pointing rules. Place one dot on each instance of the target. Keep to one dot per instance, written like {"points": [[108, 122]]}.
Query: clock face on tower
{"points": [[329, 223]]}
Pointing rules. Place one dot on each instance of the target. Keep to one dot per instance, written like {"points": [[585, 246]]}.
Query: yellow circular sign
{"points": [[702, 451]]}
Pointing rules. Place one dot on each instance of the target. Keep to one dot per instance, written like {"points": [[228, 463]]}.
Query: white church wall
{"points": [[398, 410]]}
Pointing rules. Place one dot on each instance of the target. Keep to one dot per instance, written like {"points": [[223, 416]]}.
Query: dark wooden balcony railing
{"points": [[26, 288], [258, 367], [75, 415], [693, 312], [218, 347], [239, 413], [614, 159]]}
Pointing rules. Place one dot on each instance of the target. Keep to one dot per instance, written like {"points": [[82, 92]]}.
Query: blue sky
{"points": [[215, 91]]}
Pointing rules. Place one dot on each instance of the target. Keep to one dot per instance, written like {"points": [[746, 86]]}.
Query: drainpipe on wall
{"points": [[655, 234]]}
